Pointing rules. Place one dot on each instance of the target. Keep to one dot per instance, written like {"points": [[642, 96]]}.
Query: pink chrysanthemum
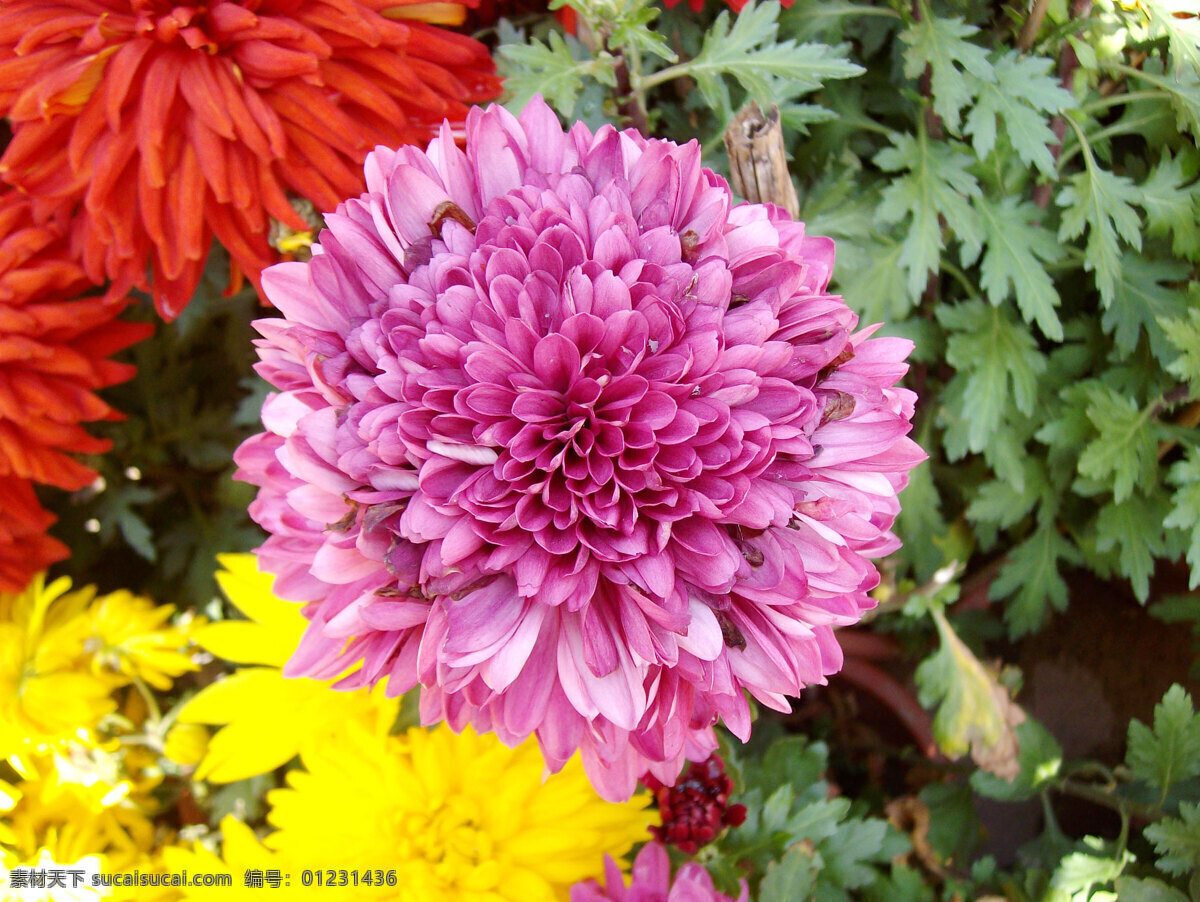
{"points": [[573, 443], [651, 882]]}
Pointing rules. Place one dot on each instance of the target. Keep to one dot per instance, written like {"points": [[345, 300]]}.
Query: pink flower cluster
{"points": [[568, 439]]}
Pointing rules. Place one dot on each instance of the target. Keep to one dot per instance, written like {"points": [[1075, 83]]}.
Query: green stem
{"points": [[1104, 103], [853, 10], [148, 698], [661, 77], [1083, 146], [1123, 127], [1091, 793], [1155, 80], [961, 278]]}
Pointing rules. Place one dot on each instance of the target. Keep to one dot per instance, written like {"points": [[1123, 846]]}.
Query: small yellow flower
{"points": [[48, 692], [63, 653], [458, 817], [268, 719], [129, 636]]}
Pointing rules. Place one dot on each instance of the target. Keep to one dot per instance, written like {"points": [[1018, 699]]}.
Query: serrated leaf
{"points": [[1032, 575], [869, 275], [921, 522], [1182, 33], [629, 27], [998, 359], [1185, 508], [848, 854], [1171, 199], [1004, 504], [1131, 889], [1039, 758], [1100, 202], [749, 52], [1143, 294], [557, 71], [1171, 751], [1184, 334], [1125, 450], [792, 877], [937, 183], [971, 711], [1177, 840], [1135, 529], [1023, 96], [940, 43], [777, 807], [1017, 246], [1079, 872]]}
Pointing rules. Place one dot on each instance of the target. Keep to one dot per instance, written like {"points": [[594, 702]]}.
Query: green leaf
{"points": [[939, 42], [869, 275], [998, 359], [1079, 872], [792, 877], [1185, 508], [972, 713], [1023, 96], [1182, 34], [628, 25], [1039, 758], [1141, 299], [1125, 451], [1184, 334], [1032, 575], [848, 854], [769, 70], [1100, 202], [1012, 264], [1171, 199], [1177, 840], [1004, 504], [1135, 527], [937, 183], [1171, 751], [1131, 889], [557, 71], [921, 522]]}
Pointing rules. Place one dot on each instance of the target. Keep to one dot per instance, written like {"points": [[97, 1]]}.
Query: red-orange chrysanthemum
{"points": [[53, 349], [25, 549], [176, 123]]}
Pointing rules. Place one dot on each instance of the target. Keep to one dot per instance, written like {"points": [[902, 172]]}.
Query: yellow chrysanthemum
{"points": [[268, 719], [63, 653], [74, 805], [130, 637], [48, 691], [458, 817]]}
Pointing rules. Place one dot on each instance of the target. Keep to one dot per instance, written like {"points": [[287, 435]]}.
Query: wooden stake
{"points": [[757, 163]]}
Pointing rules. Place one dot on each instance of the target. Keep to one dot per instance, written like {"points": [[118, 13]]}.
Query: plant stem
{"points": [[1033, 23], [1090, 793], [1117, 99], [961, 278], [629, 91]]}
